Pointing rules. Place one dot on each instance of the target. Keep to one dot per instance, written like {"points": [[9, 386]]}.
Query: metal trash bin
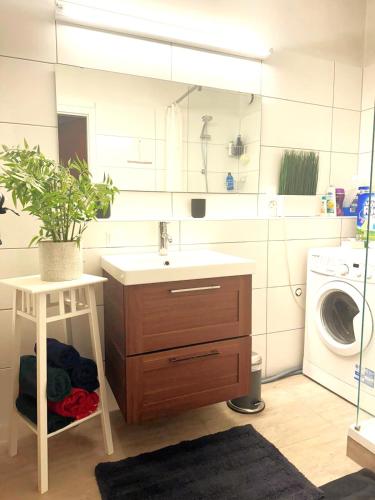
{"points": [[252, 402]]}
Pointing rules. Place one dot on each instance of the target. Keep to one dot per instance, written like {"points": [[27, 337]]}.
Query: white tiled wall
{"points": [[348, 86], [16, 103], [345, 130], [284, 351], [298, 77], [309, 103]]}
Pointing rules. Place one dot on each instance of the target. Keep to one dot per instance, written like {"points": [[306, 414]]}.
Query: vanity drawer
{"points": [[179, 313], [168, 382]]}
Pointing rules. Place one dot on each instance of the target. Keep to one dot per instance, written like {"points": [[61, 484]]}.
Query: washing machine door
{"points": [[338, 314]]}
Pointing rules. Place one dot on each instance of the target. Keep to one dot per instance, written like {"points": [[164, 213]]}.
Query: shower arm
{"points": [[188, 92]]}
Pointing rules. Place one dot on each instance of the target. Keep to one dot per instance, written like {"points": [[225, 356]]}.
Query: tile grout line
{"points": [[216, 242], [267, 271], [332, 117], [28, 59], [260, 142], [28, 124], [360, 120], [56, 44], [309, 149], [297, 101]]}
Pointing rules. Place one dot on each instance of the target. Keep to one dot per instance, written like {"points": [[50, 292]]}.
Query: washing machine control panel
{"points": [[342, 267]]}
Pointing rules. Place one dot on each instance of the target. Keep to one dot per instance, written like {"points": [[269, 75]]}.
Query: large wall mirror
{"points": [[157, 135]]}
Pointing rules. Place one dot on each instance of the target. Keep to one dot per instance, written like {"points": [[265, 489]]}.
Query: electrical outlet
{"points": [[273, 206]]}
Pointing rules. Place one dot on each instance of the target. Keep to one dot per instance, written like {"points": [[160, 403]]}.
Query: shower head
{"points": [[205, 120]]}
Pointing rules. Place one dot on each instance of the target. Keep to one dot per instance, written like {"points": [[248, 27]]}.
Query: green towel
{"points": [[27, 406], [58, 380]]}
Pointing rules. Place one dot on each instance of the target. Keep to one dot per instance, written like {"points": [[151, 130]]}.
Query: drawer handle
{"points": [[196, 356], [197, 289]]}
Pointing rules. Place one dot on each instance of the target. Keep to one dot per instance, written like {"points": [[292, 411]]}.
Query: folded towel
{"points": [[79, 404], [85, 375], [27, 406], [58, 381], [61, 355]]}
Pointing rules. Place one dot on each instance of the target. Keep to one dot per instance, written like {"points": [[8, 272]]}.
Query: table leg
{"points": [[67, 323], [42, 436], [16, 344], [95, 342]]}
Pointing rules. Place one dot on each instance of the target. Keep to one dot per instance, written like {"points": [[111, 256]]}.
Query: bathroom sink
{"points": [[139, 269]]}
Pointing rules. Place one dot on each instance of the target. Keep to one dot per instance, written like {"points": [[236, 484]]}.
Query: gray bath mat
{"points": [[357, 486]]}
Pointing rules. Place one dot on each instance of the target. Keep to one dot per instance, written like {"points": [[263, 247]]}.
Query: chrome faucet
{"points": [[164, 238]]}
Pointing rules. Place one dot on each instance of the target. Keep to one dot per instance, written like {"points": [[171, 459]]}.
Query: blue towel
{"points": [[85, 375], [61, 355]]}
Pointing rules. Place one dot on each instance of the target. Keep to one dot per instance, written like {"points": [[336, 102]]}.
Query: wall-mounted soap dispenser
{"points": [[198, 208], [4, 210]]}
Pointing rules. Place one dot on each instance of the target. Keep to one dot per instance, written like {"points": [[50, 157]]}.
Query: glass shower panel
{"points": [[365, 369]]}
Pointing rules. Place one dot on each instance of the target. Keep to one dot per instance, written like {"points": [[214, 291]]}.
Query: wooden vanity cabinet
{"points": [[177, 345]]}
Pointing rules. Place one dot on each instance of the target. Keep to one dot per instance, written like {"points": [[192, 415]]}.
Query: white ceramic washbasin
{"points": [[139, 269]]}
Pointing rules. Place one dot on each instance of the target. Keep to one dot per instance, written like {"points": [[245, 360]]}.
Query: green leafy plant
{"points": [[64, 198], [299, 173]]}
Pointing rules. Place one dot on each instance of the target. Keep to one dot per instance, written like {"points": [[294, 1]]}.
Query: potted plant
{"points": [[63, 198]]}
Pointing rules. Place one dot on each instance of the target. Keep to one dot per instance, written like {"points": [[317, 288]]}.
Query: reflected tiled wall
{"points": [[309, 103]]}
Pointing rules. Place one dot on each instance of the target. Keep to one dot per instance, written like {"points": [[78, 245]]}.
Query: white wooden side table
{"points": [[42, 303]]}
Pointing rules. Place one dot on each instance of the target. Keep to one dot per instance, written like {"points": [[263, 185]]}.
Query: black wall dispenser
{"points": [[198, 207], [4, 210]]}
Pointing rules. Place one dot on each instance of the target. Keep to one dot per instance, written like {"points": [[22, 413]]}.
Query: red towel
{"points": [[78, 404]]}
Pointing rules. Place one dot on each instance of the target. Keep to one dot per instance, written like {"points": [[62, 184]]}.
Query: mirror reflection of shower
{"points": [[205, 137], [174, 141]]}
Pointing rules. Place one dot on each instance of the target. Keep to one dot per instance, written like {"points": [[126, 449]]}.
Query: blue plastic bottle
{"points": [[229, 181]]}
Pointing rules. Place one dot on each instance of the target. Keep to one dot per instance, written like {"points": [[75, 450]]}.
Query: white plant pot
{"points": [[60, 261]]}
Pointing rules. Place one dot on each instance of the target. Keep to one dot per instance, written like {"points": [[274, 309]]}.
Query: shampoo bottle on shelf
{"points": [[331, 201], [340, 197], [323, 205], [229, 182]]}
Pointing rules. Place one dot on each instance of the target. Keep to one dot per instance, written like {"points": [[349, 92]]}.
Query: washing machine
{"points": [[335, 307]]}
